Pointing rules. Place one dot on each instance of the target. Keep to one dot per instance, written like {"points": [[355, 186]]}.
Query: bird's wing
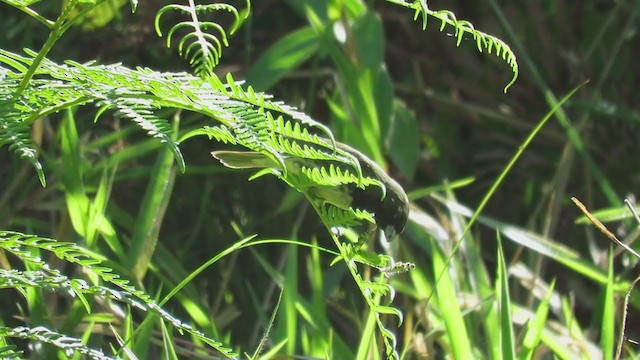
{"points": [[244, 159]]}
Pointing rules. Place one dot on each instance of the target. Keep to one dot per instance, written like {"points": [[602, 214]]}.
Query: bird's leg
{"points": [[365, 236]]}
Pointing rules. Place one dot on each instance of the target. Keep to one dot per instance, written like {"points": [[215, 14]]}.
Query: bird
{"points": [[388, 203]]}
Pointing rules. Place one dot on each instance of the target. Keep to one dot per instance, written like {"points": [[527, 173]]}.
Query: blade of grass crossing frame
{"points": [[535, 326], [318, 344], [537, 243], [289, 315], [507, 337], [447, 300], [152, 210], [273, 351], [71, 176], [236, 246], [484, 288], [130, 338], [572, 133], [123, 344], [517, 155], [87, 216], [168, 348], [265, 335], [607, 333], [367, 338], [102, 223], [570, 319], [558, 346], [504, 173], [480, 281], [144, 336]]}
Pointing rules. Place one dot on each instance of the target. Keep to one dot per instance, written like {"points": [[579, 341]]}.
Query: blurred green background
{"points": [[430, 112]]}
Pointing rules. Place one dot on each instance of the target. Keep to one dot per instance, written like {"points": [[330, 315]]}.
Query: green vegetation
{"points": [[122, 237]]}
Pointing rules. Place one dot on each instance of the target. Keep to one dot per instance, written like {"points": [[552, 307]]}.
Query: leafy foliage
{"points": [[134, 94], [462, 28], [16, 133], [51, 279], [33, 87], [203, 48], [248, 118], [70, 345]]}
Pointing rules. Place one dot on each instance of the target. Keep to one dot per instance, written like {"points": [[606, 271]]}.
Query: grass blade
{"points": [[507, 338]]}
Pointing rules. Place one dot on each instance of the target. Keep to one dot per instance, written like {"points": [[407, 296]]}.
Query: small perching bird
{"points": [[386, 200]]}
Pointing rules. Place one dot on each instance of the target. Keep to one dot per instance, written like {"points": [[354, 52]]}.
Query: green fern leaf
{"points": [[20, 245], [461, 28], [202, 48], [69, 345]]}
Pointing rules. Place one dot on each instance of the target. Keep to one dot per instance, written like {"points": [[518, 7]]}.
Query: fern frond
{"points": [[203, 49], [263, 101], [247, 118], [335, 176], [293, 130], [220, 133], [370, 258], [372, 292], [11, 352], [9, 58], [461, 28], [21, 245], [333, 216], [67, 343], [379, 289], [15, 132], [140, 111], [11, 278]]}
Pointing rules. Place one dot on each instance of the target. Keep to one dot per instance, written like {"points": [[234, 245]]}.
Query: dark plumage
{"points": [[391, 212]]}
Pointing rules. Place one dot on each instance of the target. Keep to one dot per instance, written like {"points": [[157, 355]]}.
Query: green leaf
{"points": [[607, 332], [535, 327], [502, 290], [283, 57], [446, 295], [404, 140], [369, 39], [384, 99], [102, 14], [484, 41], [78, 204], [201, 46], [152, 210]]}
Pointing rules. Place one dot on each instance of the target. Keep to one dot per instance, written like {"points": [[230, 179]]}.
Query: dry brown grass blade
{"points": [[598, 224]]}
